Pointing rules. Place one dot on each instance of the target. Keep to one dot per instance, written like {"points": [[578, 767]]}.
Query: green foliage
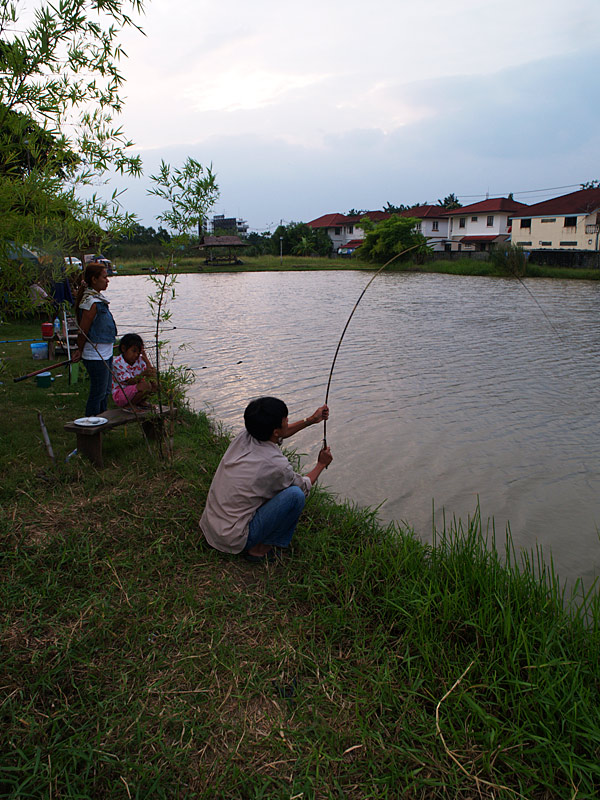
{"points": [[389, 237], [26, 146], [190, 192], [509, 259], [259, 244], [140, 242], [59, 93], [594, 184], [38, 213], [389, 208], [63, 65], [449, 202], [298, 239]]}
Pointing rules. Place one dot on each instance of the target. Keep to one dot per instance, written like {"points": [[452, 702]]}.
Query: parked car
{"points": [[74, 261], [99, 258]]}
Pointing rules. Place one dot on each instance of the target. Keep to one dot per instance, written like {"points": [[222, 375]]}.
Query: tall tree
{"points": [[59, 94], [190, 191], [61, 70], [390, 208], [449, 202], [298, 238]]}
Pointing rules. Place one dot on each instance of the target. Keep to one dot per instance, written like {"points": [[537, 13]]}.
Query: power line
{"points": [[528, 191]]}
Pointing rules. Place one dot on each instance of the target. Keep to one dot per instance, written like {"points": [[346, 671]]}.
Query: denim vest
{"points": [[103, 329]]}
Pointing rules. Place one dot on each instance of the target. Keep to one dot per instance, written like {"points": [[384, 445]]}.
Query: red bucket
{"points": [[47, 330]]}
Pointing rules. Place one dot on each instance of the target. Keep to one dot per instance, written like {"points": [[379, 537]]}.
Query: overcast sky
{"points": [[318, 107]]}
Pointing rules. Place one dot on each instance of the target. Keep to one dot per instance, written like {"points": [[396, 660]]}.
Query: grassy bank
{"points": [[135, 663], [250, 264], [465, 266]]}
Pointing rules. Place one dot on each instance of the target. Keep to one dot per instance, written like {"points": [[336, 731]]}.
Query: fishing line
{"points": [[337, 350], [538, 304], [529, 292]]}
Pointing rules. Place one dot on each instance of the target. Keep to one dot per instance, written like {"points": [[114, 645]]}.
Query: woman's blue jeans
{"points": [[275, 522], [100, 383]]}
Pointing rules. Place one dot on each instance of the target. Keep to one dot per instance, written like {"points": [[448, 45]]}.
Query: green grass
{"points": [[135, 663], [465, 266], [250, 264]]}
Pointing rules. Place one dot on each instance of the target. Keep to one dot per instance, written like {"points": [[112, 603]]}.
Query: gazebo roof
{"points": [[221, 241]]}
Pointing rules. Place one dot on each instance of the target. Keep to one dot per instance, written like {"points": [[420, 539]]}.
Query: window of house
{"points": [[570, 222], [526, 223], [568, 244], [549, 219], [350, 228], [525, 244], [435, 225], [546, 244], [473, 219], [462, 222], [490, 220], [337, 231]]}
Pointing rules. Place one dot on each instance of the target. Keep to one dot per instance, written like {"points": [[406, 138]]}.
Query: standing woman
{"points": [[96, 337]]}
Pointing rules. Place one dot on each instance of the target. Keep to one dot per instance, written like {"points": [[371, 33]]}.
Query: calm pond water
{"points": [[447, 391]]}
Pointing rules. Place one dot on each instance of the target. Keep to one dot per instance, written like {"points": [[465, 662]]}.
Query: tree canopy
{"points": [[389, 208], [59, 94], [299, 239], [190, 191], [388, 238], [449, 202], [61, 72]]}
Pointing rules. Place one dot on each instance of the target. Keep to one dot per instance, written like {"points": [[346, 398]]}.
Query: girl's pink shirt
{"points": [[123, 371]]}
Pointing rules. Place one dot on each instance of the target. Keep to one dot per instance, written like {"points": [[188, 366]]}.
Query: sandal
{"points": [[271, 556], [254, 559]]}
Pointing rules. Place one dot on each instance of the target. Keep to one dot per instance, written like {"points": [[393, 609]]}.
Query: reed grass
{"points": [[136, 663]]}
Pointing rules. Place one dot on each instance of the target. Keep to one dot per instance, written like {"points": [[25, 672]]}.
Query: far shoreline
{"points": [[465, 267]]}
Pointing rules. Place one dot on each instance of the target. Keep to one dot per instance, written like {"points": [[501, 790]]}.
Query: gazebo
{"points": [[221, 249]]}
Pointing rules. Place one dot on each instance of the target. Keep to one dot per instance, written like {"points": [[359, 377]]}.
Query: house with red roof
{"points": [[343, 229], [346, 234], [433, 224], [568, 222], [480, 225]]}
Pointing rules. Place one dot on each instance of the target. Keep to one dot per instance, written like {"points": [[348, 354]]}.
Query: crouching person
{"points": [[255, 498]]}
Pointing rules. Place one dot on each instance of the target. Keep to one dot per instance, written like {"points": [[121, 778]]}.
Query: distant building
{"points": [[347, 235], [228, 225], [433, 224], [481, 225], [343, 229], [568, 222]]}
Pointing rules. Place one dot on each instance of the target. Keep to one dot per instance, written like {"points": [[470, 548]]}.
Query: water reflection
{"points": [[445, 389]]}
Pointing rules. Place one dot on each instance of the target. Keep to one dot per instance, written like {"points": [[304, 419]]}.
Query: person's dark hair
{"points": [[263, 415], [130, 340], [92, 270]]}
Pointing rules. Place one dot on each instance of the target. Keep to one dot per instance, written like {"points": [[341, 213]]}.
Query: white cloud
{"points": [[312, 108]]}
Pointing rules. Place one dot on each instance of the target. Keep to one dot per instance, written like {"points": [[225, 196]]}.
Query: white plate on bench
{"points": [[90, 422]]}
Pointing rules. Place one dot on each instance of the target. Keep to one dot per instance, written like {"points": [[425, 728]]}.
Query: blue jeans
{"points": [[100, 383], [275, 522]]}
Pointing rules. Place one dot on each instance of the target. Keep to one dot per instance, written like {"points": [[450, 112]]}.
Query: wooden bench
{"points": [[89, 439]]}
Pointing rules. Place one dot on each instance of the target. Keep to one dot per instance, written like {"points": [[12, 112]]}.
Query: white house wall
{"points": [[435, 239]]}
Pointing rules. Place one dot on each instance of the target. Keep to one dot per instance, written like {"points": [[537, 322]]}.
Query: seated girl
{"points": [[131, 370]]}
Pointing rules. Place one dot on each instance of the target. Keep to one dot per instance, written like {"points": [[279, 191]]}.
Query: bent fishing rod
{"points": [[387, 263], [43, 369]]}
